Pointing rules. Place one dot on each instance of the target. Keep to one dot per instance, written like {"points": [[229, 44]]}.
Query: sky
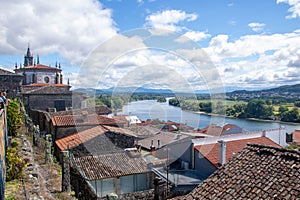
{"points": [[179, 45]]}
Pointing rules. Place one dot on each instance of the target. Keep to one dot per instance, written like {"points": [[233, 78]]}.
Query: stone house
{"points": [[65, 125], [118, 173], [104, 162], [95, 141]]}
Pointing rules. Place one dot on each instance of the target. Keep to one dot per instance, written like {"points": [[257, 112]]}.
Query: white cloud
{"points": [[294, 8], [194, 35], [256, 26], [169, 19], [70, 27]]}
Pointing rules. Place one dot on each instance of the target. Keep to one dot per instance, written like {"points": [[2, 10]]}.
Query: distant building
{"points": [[36, 73], [43, 87], [216, 130]]}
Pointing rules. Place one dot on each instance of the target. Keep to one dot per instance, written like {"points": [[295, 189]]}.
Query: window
{"points": [[46, 79]]}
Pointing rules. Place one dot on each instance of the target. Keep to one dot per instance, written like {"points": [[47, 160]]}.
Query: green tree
{"points": [[258, 109], [282, 109], [290, 116], [14, 117]]}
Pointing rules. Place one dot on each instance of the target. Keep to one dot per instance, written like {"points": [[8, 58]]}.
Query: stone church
{"points": [[43, 88]]}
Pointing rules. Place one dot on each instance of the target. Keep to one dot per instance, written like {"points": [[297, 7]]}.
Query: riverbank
{"points": [[251, 119]]}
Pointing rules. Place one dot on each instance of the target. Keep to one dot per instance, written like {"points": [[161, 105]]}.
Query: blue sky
{"points": [[250, 44]]}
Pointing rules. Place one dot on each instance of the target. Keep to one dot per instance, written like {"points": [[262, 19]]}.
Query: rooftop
{"points": [[216, 130], [79, 138], [257, 172], [39, 66], [211, 151], [110, 165], [74, 120], [163, 138]]}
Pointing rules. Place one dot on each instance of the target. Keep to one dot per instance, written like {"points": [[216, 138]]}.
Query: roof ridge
{"points": [[281, 149]]}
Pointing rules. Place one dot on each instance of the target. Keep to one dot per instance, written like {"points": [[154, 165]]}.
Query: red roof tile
{"points": [[110, 165], [41, 66], [211, 151], [79, 138], [216, 130], [73, 120]]}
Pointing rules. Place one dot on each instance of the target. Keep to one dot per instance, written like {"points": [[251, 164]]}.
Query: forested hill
{"points": [[286, 91]]}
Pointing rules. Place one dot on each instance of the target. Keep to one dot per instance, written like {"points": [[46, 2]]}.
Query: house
{"points": [[97, 140], [62, 126], [209, 157], [174, 126], [118, 173], [104, 161], [216, 130], [256, 172]]}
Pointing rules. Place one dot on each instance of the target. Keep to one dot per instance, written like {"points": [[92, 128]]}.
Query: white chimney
{"points": [[222, 152], [264, 134]]}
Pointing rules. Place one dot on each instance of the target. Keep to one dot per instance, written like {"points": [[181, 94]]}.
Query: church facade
{"points": [[43, 88], [36, 73]]}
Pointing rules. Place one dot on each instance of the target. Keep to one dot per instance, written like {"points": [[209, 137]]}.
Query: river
{"points": [[151, 109]]}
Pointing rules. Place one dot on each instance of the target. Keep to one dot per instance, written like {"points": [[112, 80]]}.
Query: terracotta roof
{"points": [[296, 136], [79, 138], [73, 120], [110, 165], [211, 151], [257, 172], [40, 66], [216, 130], [120, 119]]}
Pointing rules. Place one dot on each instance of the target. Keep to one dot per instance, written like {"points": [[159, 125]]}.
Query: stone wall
{"points": [[11, 84], [45, 101]]}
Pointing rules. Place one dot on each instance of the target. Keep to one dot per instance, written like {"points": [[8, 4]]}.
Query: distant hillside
{"points": [[286, 91], [126, 90]]}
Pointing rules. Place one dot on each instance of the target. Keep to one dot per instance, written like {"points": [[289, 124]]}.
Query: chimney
{"points": [[152, 147], [222, 152], [264, 134], [158, 143]]}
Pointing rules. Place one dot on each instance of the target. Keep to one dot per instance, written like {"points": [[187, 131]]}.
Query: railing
{"points": [[3, 145]]}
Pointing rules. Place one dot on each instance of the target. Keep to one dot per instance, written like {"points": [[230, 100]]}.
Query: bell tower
{"points": [[28, 58]]}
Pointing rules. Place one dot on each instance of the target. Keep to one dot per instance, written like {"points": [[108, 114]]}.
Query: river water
{"points": [[151, 109]]}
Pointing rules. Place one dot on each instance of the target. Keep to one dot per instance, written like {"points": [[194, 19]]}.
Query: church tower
{"points": [[28, 58]]}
